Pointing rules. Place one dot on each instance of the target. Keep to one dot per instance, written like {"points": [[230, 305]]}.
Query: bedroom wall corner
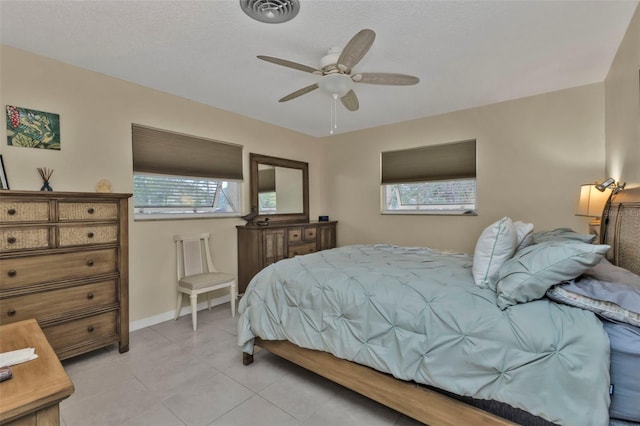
{"points": [[622, 108], [96, 112], [533, 155]]}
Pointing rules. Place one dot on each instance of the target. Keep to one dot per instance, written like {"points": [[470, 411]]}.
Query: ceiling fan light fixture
{"points": [[336, 84], [271, 11], [331, 58]]}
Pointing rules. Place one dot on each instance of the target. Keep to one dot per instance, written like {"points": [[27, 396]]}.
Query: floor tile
{"points": [[87, 361], [165, 374], [206, 398], [105, 374], [173, 376], [157, 415], [265, 370], [350, 408], [256, 411], [113, 406], [300, 393]]}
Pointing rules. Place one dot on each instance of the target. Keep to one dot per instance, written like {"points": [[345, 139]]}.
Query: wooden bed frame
{"points": [[620, 229]]}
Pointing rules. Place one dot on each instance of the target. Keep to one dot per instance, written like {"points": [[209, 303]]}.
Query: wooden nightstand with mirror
{"points": [[279, 225]]}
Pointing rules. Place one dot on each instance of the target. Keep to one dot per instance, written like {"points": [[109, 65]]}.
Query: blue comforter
{"points": [[416, 313]]}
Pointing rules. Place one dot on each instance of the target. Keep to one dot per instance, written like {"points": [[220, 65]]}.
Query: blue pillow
{"points": [[533, 270], [496, 245], [562, 234]]}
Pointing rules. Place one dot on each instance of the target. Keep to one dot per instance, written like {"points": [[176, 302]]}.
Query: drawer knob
{"points": [[90, 296], [90, 329], [11, 240], [91, 210], [12, 273], [11, 312], [11, 212], [89, 262], [90, 235]]}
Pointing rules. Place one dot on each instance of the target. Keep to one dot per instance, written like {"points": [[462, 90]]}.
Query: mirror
{"points": [[279, 189]]}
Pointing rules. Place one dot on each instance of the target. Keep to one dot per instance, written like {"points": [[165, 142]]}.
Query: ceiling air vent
{"points": [[271, 11]]}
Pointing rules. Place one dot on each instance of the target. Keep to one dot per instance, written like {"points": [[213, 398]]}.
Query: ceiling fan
{"points": [[336, 76]]}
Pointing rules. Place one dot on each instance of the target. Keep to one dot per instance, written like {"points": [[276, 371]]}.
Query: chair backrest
{"points": [[193, 255]]}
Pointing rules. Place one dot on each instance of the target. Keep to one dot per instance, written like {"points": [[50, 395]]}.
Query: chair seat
{"points": [[198, 281], [196, 274]]}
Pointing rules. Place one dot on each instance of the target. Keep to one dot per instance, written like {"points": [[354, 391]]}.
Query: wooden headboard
{"points": [[620, 229]]}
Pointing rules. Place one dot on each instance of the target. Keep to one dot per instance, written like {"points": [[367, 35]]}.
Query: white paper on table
{"points": [[17, 357]]}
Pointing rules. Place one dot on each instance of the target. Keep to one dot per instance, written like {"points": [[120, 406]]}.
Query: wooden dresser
{"points": [[260, 246], [64, 260]]}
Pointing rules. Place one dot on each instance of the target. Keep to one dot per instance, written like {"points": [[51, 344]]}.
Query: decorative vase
{"points": [[46, 186], [45, 174]]}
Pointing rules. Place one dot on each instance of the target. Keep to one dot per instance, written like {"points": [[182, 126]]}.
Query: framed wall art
{"points": [[32, 129], [3, 175]]}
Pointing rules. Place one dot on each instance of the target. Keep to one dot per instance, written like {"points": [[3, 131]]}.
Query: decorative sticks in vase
{"points": [[45, 174]]}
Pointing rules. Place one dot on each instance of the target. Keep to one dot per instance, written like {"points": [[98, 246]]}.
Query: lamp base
{"points": [[594, 229]]}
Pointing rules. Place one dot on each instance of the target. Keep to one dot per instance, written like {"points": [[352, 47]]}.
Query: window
{"points": [[437, 179], [267, 199], [175, 195], [177, 176]]}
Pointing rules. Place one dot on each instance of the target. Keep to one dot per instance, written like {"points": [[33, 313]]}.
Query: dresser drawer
{"points": [[87, 211], [299, 249], [309, 234], [54, 303], [81, 331], [24, 211], [294, 235], [53, 267], [87, 234], [24, 239]]}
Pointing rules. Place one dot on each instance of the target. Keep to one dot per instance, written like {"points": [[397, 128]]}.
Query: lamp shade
{"points": [[591, 201]]}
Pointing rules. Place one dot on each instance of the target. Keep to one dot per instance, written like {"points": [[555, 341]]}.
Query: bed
{"points": [[424, 333]]}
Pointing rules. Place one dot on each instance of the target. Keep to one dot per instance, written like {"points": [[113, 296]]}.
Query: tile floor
{"points": [[174, 376]]}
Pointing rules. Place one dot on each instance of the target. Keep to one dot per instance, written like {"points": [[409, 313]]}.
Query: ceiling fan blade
{"points": [[299, 92], [386, 79], [289, 64], [350, 101], [355, 50]]}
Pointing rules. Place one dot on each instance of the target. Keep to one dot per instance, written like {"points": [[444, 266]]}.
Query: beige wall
{"points": [[533, 154], [557, 138], [622, 108], [96, 113]]}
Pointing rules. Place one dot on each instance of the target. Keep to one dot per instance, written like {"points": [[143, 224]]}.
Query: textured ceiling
{"points": [[466, 53]]}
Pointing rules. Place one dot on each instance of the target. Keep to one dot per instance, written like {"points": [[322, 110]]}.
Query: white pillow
{"points": [[496, 245], [524, 232]]}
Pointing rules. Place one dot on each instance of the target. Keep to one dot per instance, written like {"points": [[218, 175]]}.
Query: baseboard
{"points": [[166, 316]]}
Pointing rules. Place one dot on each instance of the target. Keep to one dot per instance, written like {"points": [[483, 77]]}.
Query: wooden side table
{"points": [[33, 395]]}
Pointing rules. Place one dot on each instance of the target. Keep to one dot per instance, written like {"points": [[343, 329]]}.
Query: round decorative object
{"points": [[271, 11], [103, 186]]}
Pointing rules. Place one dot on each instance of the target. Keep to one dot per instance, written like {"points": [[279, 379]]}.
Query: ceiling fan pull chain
{"points": [[334, 113], [331, 105]]}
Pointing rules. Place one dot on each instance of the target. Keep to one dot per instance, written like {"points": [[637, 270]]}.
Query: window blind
{"points": [[430, 163], [267, 180], [170, 153]]}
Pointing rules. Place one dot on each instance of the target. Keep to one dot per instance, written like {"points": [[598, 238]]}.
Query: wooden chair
{"points": [[197, 275]]}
